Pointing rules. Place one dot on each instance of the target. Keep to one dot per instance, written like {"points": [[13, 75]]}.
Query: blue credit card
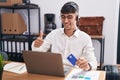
{"points": [[72, 59]]}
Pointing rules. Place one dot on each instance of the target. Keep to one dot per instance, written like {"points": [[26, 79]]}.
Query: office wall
{"points": [[106, 8]]}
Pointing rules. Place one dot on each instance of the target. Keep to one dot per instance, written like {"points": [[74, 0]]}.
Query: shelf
{"points": [[13, 44], [97, 36], [18, 38], [22, 6]]}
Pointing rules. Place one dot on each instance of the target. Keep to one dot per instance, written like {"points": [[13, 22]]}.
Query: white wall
{"points": [[106, 8]]}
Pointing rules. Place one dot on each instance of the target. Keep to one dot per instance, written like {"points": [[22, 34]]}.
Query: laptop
{"points": [[45, 63]]}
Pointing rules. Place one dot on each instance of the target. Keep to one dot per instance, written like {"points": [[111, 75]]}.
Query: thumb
{"points": [[41, 35]]}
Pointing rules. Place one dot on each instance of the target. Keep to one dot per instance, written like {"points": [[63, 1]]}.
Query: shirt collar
{"points": [[76, 33]]}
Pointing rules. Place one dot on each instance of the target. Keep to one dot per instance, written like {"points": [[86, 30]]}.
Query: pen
{"points": [[21, 68]]}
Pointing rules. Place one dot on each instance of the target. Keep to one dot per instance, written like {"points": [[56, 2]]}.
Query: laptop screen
{"points": [[44, 63]]}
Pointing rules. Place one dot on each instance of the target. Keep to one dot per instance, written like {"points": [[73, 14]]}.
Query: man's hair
{"points": [[70, 7]]}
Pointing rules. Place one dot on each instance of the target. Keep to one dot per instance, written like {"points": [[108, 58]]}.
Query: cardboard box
{"points": [[13, 23], [10, 2]]}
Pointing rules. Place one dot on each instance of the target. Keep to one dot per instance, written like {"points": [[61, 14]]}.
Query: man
{"points": [[69, 40]]}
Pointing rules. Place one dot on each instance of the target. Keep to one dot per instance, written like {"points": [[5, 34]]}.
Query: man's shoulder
{"points": [[82, 33]]}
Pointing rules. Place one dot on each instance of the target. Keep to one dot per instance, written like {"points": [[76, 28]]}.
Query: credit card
{"points": [[71, 58]]}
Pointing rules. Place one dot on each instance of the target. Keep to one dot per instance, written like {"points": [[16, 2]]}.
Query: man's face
{"points": [[69, 20]]}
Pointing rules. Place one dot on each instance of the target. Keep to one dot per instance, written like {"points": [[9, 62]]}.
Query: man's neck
{"points": [[69, 32]]}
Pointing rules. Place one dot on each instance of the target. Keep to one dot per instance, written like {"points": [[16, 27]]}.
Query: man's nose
{"points": [[66, 20]]}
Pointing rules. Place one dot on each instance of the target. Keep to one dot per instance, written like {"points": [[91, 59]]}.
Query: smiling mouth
{"points": [[67, 24]]}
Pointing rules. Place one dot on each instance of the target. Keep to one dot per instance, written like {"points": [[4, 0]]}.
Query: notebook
{"points": [[45, 63]]}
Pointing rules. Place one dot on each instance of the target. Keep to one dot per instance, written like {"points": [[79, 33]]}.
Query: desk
{"points": [[27, 76]]}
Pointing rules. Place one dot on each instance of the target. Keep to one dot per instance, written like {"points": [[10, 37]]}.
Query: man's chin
{"points": [[66, 28]]}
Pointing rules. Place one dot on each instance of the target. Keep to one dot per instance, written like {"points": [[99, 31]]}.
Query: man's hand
{"points": [[39, 40], [83, 64]]}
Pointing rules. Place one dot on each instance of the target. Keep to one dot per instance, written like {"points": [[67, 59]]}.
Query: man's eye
{"points": [[63, 17], [69, 17]]}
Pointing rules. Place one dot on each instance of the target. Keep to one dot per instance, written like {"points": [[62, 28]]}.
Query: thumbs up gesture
{"points": [[39, 40]]}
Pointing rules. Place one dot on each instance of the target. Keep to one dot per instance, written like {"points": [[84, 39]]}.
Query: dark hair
{"points": [[70, 7]]}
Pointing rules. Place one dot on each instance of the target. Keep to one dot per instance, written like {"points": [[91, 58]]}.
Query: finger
{"points": [[84, 65], [79, 60], [38, 44], [41, 35], [38, 41]]}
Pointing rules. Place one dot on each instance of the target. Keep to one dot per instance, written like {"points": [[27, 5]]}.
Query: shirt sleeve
{"points": [[89, 53]]}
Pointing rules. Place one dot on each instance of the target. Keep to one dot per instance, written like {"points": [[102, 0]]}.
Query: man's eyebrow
{"points": [[62, 14], [67, 14]]}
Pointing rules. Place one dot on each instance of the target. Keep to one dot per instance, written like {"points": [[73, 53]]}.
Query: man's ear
{"points": [[77, 18]]}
